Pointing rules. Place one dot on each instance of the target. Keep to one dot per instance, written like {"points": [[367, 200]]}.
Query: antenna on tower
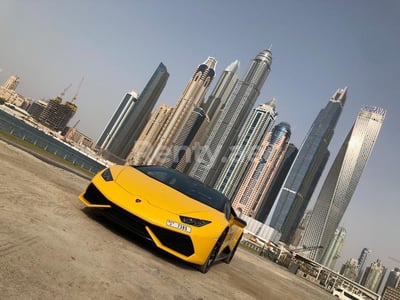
{"points": [[270, 47], [77, 91]]}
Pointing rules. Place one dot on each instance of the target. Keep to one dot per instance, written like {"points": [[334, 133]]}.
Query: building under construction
{"points": [[56, 115]]}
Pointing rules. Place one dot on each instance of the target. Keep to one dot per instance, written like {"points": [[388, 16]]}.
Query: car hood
{"points": [[159, 194]]}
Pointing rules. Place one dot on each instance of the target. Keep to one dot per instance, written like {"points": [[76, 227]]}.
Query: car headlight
{"points": [[107, 176], [194, 221]]}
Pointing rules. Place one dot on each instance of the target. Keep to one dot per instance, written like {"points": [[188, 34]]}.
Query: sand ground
{"points": [[51, 249]]}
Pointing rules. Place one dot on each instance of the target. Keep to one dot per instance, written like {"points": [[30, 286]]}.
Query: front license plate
{"points": [[179, 226]]}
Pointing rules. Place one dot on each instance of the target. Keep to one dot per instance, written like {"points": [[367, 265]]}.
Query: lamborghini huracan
{"points": [[179, 214]]}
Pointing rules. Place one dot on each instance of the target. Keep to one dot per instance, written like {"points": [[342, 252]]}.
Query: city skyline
{"points": [[317, 47]]}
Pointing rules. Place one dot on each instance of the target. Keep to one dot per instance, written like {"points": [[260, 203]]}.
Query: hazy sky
{"points": [[317, 47]]}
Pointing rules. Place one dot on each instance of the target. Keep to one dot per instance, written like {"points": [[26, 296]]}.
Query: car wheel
{"points": [[213, 255], [228, 259]]}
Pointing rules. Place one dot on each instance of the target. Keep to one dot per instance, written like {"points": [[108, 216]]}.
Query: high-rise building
{"points": [[170, 141], [132, 125], [212, 108], [391, 293], [262, 170], [142, 148], [334, 249], [342, 179], [393, 278], [373, 276], [223, 135], [260, 122], [306, 169], [350, 269], [11, 83], [108, 134], [276, 184], [361, 262]]}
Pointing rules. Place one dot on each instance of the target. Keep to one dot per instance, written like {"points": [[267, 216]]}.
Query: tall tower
{"points": [[223, 135], [350, 269], [260, 122], [307, 169], [276, 184], [264, 167], [147, 138], [212, 109], [334, 249], [361, 262], [11, 83], [342, 179], [373, 276], [136, 118], [191, 98], [126, 104]]}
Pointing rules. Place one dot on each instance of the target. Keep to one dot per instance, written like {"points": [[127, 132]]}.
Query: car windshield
{"points": [[186, 185]]}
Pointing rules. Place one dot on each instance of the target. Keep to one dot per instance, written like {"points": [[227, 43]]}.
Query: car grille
{"points": [[176, 241], [94, 196]]}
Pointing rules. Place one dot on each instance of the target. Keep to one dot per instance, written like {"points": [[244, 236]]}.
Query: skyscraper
{"points": [[307, 169], [276, 184], [264, 167], [127, 102], [146, 141], [224, 133], [373, 276], [212, 108], [334, 248], [11, 83], [169, 142], [342, 179], [260, 122], [350, 269], [131, 126]]}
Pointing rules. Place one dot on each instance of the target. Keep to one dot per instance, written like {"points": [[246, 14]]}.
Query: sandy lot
{"points": [[51, 249]]}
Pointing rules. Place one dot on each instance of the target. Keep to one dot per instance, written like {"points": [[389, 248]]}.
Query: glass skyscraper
{"points": [[174, 138], [260, 122], [306, 169], [224, 133], [260, 174], [342, 180], [123, 140]]}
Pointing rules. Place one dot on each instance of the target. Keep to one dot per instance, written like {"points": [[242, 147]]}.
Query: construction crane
{"points": [[63, 92], [77, 91]]}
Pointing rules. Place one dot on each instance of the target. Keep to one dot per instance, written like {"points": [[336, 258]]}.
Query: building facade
{"points": [[262, 170], [373, 276], [350, 269], [334, 248], [113, 125], [342, 179], [170, 141], [223, 135], [142, 148], [307, 169], [136, 118], [259, 124]]}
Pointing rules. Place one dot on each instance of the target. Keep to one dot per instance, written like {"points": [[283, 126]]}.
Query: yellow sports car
{"points": [[181, 215]]}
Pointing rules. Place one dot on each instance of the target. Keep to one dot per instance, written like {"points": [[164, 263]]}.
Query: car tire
{"points": [[228, 259], [213, 254]]}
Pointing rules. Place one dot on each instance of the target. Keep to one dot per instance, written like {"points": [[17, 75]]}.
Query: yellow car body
{"points": [[179, 214]]}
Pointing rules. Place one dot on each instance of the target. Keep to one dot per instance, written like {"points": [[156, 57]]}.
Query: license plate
{"points": [[178, 226]]}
